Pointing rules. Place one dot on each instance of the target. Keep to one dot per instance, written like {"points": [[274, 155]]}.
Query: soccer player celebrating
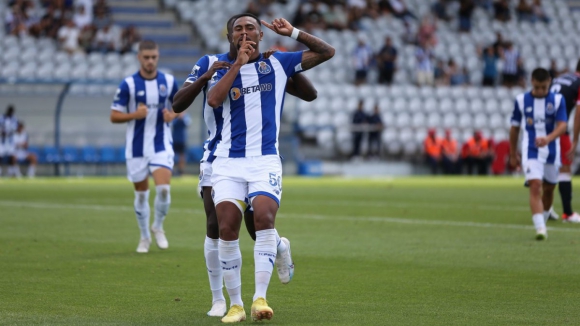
{"points": [[569, 86], [142, 101], [251, 93], [542, 115], [197, 82]]}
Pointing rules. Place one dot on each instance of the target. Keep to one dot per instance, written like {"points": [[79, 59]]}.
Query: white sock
{"points": [[162, 202], [231, 262], [539, 221], [281, 246], [31, 171], [214, 268], [264, 257], [142, 210], [16, 171], [546, 216]]}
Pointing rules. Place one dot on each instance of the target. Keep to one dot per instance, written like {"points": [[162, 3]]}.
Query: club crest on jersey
{"points": [[263, 67], [235, 93], [162, 90], [550, 108], [530, 121]]}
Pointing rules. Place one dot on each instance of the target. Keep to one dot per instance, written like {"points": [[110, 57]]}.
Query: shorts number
{"points": [[275, 180]]}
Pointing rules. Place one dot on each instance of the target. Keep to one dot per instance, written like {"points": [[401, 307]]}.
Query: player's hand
{"points": [[168, 115], [268, 53], [218, 65], [245, 51], [571, 152], [281, 26], [141, 112], [541, 141], [515, 161]]}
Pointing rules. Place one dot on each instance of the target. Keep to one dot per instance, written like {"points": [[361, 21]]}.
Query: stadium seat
{"points": [[70, 154], [50, 154], [89, 155], [194, 154], [107, 155], [120, 155]]}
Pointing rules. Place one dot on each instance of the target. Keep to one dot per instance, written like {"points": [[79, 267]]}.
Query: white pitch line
{"points": [[384, 219], [407, 205]]}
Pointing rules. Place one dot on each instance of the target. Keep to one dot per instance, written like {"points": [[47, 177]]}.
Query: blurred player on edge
{"points": [[142, 102], [542, 115], [569, 86]]}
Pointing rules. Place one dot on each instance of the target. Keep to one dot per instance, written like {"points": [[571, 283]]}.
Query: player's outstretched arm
{"points": [[218, 92], [187, 94], [301, 87], [319, 51]]}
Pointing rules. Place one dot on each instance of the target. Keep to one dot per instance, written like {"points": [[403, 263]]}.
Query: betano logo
{"points": [[236, 93]]}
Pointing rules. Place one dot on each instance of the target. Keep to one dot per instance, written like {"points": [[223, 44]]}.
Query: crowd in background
{"points": [[78, 26]]}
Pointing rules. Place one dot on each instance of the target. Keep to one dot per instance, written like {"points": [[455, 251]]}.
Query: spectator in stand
{"points": [[490, 73], [358, 124], [375, 129], [362, 59], [386, 62], [451, 163], [510, 57], [439, 9], [538, 12], [477, 154], [499, 44], [105, 40], [522, 75], [82, 18], [130, 39], [554, 71], [180, 125], [15, 21], [336, 17], [454, 74], [101, 6], [279, 46], [466, 8], [314, 18], [426, 32], [432, 148], [424, 57], [524, 11], [359, 4], [502, 10], [439, 73], [399, 10], [101, 19], [409, 36], [68, 36]]}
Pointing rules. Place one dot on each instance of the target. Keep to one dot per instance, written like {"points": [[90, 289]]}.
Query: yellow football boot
{"points": [[235, 315], [261, 311]]}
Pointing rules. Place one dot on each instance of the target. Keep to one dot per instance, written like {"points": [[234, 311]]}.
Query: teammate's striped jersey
{"points": [[251, 112], [151, 135], [212, 117], [538, 118], [8, 126]]}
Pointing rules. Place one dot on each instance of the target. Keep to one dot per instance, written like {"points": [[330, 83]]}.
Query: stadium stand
{"points": [[182, 27]]}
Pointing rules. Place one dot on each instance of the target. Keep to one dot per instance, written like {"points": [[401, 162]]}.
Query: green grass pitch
{"points": [[410, 251]]}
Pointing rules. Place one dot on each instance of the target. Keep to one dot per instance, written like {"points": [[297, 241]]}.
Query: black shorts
{"points": [[179, 148], [361, 74], [510, 78]]}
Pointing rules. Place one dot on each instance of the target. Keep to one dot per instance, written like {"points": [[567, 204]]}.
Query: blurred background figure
{"points": [[451, 163], [359, 120], [375, 129], [432, 148], [362, 58], [477, 154], [8, 127], [386, 62], [21, 153], [180, 125]]}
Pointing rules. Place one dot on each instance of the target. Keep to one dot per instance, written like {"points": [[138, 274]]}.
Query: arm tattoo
{"points": [[319, 52]]}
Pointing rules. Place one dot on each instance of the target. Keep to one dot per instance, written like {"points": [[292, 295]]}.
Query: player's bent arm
{"points": [[301, 87], [187, 94], [514, 135], [218, 92], [121, 117], [576, 126], [319, 52], [560, 129]]}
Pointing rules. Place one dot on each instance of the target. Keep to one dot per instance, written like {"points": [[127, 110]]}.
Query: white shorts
{"points": [[247, 177], [21, 155], [205, 172], [6, 150], [536, 170], [138, 168]]}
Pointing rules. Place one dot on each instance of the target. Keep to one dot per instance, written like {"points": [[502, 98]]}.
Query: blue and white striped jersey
{"points": [[538, 118], [212, 117], [252, 110], [8, 126], [151, 135]]}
